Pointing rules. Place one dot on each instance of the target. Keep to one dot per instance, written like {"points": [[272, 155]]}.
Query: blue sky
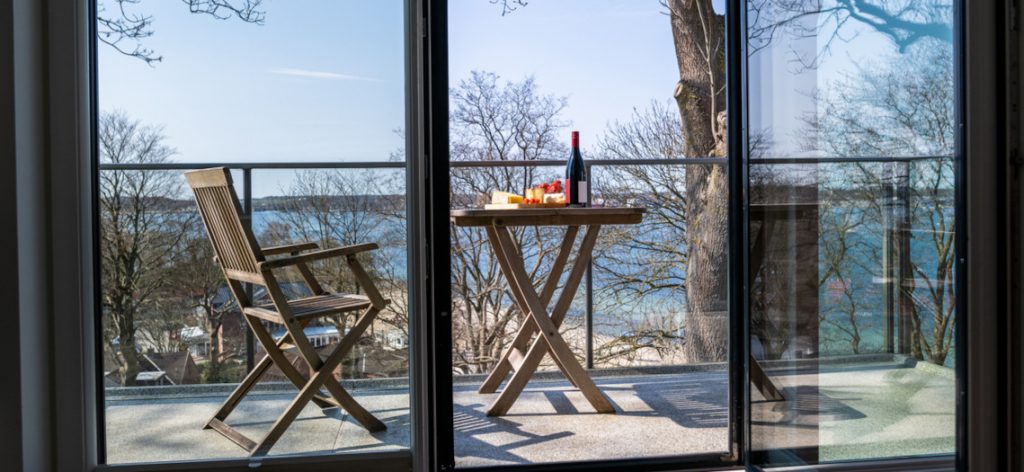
{"points": [[606, 56], [323, 80], [319, 81]]}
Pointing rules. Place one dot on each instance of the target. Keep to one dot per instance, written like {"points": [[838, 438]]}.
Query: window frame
{"points": [[65, 100], [72, 33]]}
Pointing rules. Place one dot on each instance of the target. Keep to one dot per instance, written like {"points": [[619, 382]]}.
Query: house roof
{"points": [[192, 333], [309, 331], [150, 376], [174, 364]]}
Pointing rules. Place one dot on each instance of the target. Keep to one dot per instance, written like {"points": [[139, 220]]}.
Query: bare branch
{"points": [[126, 30]]}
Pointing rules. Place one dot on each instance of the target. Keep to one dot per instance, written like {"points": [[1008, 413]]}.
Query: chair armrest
{"points": [[289, 248], [316, 256]]}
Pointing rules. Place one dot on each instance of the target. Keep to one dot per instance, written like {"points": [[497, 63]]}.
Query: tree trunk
{"points": [[130, 359], [215, 353], [698, 34]]}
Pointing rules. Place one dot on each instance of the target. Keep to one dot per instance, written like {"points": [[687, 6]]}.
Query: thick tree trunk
{"points": [[700, 52]]}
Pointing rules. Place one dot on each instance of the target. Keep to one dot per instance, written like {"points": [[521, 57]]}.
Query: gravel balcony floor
{"points": [[863, 410]]}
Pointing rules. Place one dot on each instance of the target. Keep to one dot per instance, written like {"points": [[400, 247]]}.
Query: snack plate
{"points": [[518, 206]]}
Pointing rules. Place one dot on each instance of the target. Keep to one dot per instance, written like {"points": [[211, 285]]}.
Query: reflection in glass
{"points": [[852, 188]]}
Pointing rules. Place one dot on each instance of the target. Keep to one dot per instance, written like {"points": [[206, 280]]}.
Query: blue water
{"points": [[863, 270]]}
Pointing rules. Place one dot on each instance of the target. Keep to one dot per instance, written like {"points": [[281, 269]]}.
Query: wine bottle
{"points": [[576, 176]]}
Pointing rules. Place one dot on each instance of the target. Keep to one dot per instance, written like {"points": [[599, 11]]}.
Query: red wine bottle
{"points": [[576, 176]]}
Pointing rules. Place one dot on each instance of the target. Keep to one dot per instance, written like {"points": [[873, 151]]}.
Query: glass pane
{"points": [[301, 100], [649, 321], [852, 188]]}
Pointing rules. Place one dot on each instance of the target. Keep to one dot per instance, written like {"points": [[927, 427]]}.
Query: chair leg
{"points": [[339, 394], [349, 404], [274, 356], [286, 418], [324, 375], [243, 388], [257, 372], [277, 357]]}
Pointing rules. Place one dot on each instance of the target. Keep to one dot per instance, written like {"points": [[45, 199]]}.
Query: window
{"points": [[650, 320], [800, 184], [853, 226], [304, 102]]}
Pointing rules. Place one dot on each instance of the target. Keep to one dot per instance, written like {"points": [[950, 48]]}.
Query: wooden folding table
{"points": [[522, 357]]}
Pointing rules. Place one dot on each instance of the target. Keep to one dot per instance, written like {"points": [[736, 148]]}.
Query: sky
{"points": [[607, 56], [322, 80], [319, 81]]}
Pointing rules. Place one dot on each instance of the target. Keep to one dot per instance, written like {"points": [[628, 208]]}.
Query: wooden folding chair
{"points": [[243, 261]]}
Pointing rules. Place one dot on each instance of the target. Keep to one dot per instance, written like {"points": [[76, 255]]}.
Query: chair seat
{"points": [[312, 307]]}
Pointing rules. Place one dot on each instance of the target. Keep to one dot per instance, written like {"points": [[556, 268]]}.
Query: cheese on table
{"points": [[554, 198], [505, 197]]}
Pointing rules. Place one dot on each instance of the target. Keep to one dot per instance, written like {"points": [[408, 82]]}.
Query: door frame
{"points": [[57, 198], [437, 323]]}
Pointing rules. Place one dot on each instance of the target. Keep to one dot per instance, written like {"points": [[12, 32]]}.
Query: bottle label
{"points": [[581, 187]]}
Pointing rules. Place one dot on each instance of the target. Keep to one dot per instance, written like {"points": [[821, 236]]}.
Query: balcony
{"points": [[857, 390], [848, 407]]}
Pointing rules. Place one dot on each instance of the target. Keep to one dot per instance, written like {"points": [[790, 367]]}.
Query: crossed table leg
{"points": [[517, 358]]}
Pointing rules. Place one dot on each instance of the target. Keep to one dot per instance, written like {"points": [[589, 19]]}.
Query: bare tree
{"points": [[509, 6], [340, 208], [698, 33], [332, 209], [903, 22], [886, 111], [141, 226], [493, 121], [845, 259], [123, 29], [158, 330], [199, 285], [643, 266]]}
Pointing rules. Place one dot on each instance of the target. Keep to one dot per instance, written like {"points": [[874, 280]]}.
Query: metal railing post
{"points": [[905, 270], [250, 348], [888, 255], [589, 321]]}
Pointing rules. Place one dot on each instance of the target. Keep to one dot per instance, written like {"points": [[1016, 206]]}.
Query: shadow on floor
{"points": [[472, 425], [804, 406], [688, 403]]}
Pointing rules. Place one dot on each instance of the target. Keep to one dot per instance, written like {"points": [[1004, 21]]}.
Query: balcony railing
{"points": [[894, 191]]}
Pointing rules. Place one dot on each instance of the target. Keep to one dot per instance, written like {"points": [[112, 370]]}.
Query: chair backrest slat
{"points": [[233, 243]]}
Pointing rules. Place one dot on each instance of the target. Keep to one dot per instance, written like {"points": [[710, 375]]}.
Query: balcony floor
{"points": [[853, 411]]}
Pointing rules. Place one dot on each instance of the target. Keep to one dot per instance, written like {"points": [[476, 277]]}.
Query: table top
{"points": [[548, 216]]}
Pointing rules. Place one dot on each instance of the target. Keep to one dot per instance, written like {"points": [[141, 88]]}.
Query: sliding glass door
{"points": [[643, 318], [852, 160], [765, 273], [831, 245]]}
